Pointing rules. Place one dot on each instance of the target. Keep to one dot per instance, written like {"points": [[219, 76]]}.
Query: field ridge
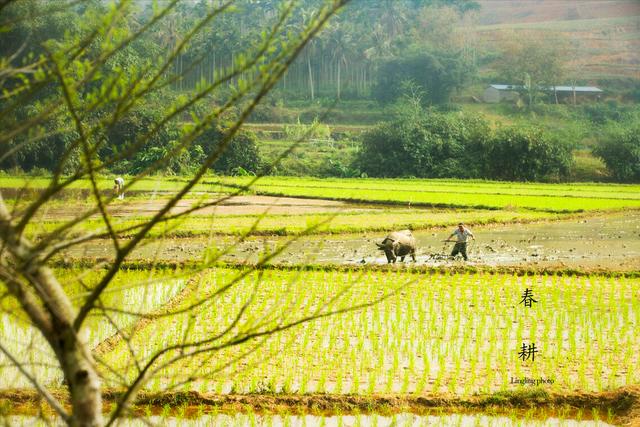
{"points": [[621, 406], [560, 270]]}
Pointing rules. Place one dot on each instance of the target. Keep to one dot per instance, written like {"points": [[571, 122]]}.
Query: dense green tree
{"points": [[339, 63], [436, 74], [431, 145], [44, 152], [344, 61], [521, 153], [620, 151], [241, 153], [453, 145]]}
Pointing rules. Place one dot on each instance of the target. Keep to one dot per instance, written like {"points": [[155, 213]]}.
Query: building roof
{"points": [[576, 88], [588, 89], [506, 87]]}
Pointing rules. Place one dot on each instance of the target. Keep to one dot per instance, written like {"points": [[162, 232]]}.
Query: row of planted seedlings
{"points": [[132, 293], [626, 191], [330, 221], [458, 333], [458, 196]]}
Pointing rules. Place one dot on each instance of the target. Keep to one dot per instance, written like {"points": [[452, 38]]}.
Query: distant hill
{"points": [[604, 36], [529, 11]]}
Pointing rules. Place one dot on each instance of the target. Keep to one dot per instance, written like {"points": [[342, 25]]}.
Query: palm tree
{"points": [[307, 16], [337, 40]]}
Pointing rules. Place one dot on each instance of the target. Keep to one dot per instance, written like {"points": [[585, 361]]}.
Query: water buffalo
{"points": [[398, 244]]}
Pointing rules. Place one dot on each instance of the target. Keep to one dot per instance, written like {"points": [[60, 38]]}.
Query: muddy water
{"points": [[605, 242], [610, 242]]}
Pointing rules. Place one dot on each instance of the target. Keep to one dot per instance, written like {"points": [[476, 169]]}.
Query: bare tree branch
{"points": [[43, 391], [76, 70]]}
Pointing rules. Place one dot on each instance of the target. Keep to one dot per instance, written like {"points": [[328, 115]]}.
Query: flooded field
{"points": [[605, 242]]}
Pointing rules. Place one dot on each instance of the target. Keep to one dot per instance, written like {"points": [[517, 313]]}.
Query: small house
{"points": [[569, 94], [499, 93]]}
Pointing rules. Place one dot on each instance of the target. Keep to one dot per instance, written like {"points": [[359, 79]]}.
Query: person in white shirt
{"points": [[462, 234], [119, 187]]}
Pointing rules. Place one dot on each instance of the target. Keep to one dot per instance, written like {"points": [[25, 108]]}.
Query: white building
{"points": [[497, 93]]}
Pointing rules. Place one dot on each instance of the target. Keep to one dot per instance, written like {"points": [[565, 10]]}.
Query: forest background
{"points": [[388, 89]]}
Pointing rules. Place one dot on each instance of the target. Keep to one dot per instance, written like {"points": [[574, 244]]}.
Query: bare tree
{"points": [[92, 96]]}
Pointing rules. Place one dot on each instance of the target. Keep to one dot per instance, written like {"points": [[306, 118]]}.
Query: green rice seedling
{"points": [[405, 381], [253, 421], [480, 349], [339, 383], [166, 410], [181, 411], [433, 192]]}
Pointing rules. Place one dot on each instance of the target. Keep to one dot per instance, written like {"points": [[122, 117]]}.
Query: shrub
{"points": [[438, 74], [430, 145], [601, 113], [264, 113], [518, 153], [436, 145], [135, 125], [315, 130], [240, 156], [620, 151]]}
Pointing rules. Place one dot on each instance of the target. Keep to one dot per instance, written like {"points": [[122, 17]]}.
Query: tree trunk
{"points": [[338, 81], [72, 352], [310, 76], [284, 87], [54, 318], [82, 379]]}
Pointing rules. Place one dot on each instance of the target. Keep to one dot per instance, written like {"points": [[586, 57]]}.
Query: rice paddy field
{"points": [[456, 333], [470, 194], [451, 343], [449, 334]]}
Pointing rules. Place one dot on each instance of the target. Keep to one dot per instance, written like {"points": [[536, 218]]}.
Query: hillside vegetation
{"points": [[373, 65], [603, 37]]}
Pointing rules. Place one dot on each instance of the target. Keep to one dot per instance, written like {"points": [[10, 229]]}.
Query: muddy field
{"points": [[603, 242], [236, 205]]}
